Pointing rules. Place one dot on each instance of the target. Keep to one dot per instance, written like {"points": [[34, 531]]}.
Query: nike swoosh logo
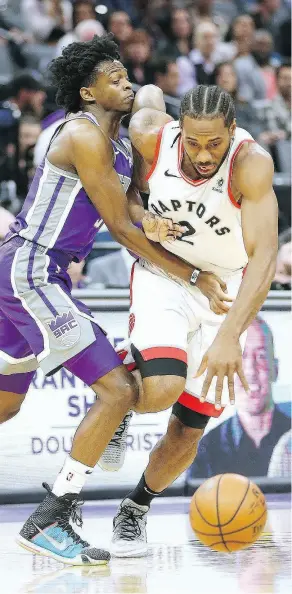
{"points": [[167, 174], [60, 546], [88, 471]]}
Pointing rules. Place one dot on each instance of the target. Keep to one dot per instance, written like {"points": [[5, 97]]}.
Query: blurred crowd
{"points": [[244, 46]]}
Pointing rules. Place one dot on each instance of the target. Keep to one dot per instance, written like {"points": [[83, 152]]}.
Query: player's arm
{"points": [[92, 157], [253, 178], [148, 115]]}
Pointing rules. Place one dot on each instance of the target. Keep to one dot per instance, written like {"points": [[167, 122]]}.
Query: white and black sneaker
{"points": [[114, 454], [129, 530]]}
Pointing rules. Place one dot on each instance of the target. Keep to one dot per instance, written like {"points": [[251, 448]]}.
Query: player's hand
{"points": [[215, 290], [160, 229], [223, 358]]}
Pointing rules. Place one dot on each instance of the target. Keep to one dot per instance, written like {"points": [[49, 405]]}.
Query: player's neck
{"points": [[109, 121]]}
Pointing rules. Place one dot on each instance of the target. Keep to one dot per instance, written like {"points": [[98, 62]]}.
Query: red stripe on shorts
{"points": [[204, 408], [164, 353]]}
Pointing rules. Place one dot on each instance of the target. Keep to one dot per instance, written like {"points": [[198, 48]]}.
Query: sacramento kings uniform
{"points": [[40, 322], [171, 320]]}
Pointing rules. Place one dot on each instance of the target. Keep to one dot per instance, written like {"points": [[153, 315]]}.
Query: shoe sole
{"points": [[108, 468], [133, 554], [32, 548]]}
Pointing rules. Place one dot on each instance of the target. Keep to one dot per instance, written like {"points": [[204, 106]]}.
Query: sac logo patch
{"points": [[66, 329]]}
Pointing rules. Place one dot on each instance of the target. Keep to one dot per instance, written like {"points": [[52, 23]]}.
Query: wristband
{"points": [[194, 276]]}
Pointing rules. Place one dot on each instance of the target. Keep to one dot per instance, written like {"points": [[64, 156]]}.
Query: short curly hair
{"points": [[76, 68]]}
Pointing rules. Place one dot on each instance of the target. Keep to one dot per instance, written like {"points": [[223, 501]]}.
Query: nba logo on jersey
{"points": [[65, 329]]}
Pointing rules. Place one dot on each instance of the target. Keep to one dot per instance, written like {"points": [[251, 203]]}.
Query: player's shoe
{"points": [[48, 532], [129, 533], [114, 454]]}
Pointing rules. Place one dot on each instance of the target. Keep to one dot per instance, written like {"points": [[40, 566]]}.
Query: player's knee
{"points": [[160, 392], [118, 388], [187, 437], [128, 392]]}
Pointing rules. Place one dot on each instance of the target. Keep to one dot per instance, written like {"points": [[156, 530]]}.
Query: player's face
{"points": [[260, 369], [112, 89], [206, 142]]}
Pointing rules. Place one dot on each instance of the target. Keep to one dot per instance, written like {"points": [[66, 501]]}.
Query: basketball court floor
{"points": [[176, 564]]}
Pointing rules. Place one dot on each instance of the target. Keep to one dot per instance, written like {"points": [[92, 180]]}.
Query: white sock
{"points": [[71, 478]]}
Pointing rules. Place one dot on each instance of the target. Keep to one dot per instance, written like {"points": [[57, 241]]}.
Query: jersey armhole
{"points": [[156, 154], [230, 194]]}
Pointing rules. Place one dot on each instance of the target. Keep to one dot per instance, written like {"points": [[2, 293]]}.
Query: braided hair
{"points": [[208, 102], [77, 67]]}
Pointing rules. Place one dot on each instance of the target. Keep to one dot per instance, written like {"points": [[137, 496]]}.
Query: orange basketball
{"points": [[228, 512]]}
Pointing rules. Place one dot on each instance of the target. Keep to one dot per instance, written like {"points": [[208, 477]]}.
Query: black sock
{"points": [[142, 494]]}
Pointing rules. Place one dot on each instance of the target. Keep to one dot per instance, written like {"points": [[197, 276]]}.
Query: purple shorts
{"points": [[42, 325]]}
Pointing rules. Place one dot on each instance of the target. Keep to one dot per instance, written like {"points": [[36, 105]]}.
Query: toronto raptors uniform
{"points": [[170, 319]]}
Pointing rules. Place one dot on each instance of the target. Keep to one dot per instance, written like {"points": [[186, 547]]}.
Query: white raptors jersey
{"points": [[213, 240]]}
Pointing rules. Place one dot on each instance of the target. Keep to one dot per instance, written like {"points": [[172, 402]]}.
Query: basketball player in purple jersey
{"points": [[82, 181]]}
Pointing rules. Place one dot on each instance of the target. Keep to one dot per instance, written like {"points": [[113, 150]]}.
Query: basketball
{"points": [[228, 512]]}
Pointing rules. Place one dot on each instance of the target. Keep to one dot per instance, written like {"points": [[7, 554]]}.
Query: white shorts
{"points": [[170, 321]]}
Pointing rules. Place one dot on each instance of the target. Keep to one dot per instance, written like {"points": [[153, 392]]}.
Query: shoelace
{"points": [[119, 433], [130, 528], [70, 509], [74, 512]]}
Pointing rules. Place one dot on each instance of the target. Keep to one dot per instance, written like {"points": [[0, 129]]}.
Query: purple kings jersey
{"points": [[57, 213]]}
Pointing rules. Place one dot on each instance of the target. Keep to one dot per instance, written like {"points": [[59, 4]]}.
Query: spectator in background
{"points": [[41, 17], [199, 67], [6, 218], [84, 31], [220, 12], [164, 74], [242, 29], [83, 10], [246, 115], [251, 83], [263, 52], [137, 50], [180, 36], [112, 270], [25, 96], [276, 114], [119, 24], [245, 442], [49, 126], [26, 92], [29, 131], [270, 15]]}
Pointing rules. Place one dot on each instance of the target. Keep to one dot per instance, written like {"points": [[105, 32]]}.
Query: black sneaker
{"points": [[48, 532]]}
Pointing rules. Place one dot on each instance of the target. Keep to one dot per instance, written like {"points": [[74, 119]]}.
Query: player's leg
{"points": [[16, 369], [48, 530], [159, 328], [173, 454]]}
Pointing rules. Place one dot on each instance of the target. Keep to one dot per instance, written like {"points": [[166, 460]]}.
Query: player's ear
{"points": [[87, 95], [232, 128]]}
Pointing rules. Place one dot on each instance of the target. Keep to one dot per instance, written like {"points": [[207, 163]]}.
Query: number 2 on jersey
{"points": [[189, 231]]}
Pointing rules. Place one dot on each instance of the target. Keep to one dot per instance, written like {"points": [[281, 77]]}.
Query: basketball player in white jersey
{"points": [[215, 180]]}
